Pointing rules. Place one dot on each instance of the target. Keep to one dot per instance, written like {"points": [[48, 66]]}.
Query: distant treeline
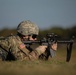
{"points": [[62, 32]]}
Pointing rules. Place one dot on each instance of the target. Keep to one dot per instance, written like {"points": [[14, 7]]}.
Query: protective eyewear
{"points": [[34, 36]]}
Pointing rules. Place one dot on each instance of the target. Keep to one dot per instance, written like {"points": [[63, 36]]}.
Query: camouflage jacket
{"points": [[13, 45]]}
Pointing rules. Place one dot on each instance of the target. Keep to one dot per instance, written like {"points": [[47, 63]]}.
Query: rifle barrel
{"points": [[64, 41], [45, 42]]}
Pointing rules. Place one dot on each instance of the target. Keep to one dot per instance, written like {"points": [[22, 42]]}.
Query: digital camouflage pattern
{"points": [[13, 49], [27, 28]]}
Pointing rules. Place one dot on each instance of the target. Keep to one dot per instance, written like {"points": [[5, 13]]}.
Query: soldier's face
{"points": [[31, 37], [24, 38]]}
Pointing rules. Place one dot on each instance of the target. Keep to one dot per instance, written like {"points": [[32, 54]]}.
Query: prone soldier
{"points": [[13, 47]]}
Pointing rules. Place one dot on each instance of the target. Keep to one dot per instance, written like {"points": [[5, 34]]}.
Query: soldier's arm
{"points": [[4, 44], [41, 49]]}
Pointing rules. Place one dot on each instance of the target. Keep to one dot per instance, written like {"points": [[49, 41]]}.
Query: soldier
{"points": [[13, 48]]}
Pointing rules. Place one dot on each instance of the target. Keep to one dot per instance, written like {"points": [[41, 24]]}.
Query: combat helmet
{"points": [[27, 28]]}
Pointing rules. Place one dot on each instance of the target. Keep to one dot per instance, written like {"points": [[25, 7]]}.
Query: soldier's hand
{"points": [[54, 46], [41, 49]]}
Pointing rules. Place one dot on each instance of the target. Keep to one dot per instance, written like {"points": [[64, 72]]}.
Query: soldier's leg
{"points": [[3, 55]]}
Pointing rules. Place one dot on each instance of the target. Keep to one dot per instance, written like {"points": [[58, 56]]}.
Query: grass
{"points": [[54, 66]]}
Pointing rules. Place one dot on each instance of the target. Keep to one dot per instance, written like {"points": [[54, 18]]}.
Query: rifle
{"points": [[51, 39]]}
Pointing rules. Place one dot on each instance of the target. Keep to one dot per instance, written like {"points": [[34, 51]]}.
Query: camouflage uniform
{"points": [[12, 46]]}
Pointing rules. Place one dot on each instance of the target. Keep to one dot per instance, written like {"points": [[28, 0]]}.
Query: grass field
{"points": [[54, 66]]}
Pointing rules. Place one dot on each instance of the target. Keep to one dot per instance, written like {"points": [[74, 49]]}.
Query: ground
{"points": [[54, 66]]}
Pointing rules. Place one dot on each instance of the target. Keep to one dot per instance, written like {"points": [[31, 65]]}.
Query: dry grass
{"points": [[55, 66]]}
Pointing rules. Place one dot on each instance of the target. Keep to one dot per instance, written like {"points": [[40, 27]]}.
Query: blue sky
{"points": [[45, 13]]}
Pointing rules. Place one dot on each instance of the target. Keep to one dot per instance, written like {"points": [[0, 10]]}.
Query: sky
{"points": [[44, 13]]}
